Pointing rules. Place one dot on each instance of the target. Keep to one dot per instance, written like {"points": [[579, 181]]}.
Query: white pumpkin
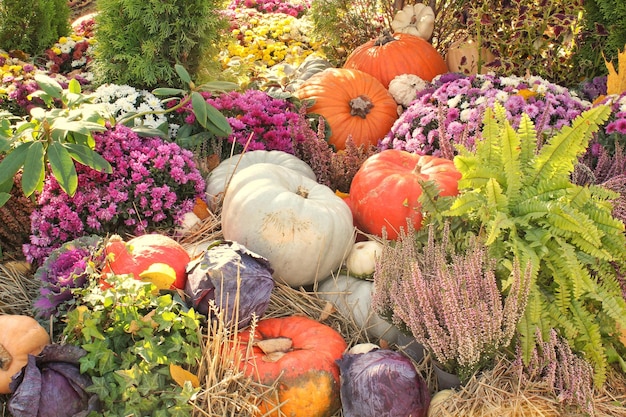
{"points": [[361, 261], [302, 227], [220, 176], [352, 297], [415, 19]]}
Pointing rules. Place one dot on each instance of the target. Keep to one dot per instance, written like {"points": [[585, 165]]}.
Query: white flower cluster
{"points": [[120, 100]]}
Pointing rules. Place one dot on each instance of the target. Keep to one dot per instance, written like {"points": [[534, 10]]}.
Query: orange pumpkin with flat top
{"points": [[299, 354]]}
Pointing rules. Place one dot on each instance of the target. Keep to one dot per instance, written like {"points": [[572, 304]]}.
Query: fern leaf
{"points": [[528, 144], [495, 227], [565, 220], [489, 146], [530, 321], [430, 200], [591, 339], [561, 153], [510, 142], [496, 199], [465, 204]]}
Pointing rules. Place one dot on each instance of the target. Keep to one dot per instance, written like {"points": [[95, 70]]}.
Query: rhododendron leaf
{"points": [[34, 169], [182, 73], [74, 86], [218, 86], [81, 127], [49, 85], [218, 120], [4, 197], [149, 132], [168, 92], [63, 167], [199, 108], [87, 156], [13, 162]]}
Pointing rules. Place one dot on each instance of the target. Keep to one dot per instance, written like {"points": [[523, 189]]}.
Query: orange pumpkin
{"points": [[401, 53], [20, 336], [353, 103], [300, 353], [136, 256]]}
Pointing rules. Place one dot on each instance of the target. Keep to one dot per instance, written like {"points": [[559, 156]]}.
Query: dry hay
{"points": [[17, 288]]}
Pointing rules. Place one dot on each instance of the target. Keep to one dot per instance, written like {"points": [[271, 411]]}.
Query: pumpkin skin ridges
{"points": [[387, 61], [332, 90]]}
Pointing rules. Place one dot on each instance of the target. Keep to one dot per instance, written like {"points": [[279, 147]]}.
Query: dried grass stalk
{"points": [[18, 288]]}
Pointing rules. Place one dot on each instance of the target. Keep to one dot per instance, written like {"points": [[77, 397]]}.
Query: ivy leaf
{"points": [[63, 167], [34, 169]]}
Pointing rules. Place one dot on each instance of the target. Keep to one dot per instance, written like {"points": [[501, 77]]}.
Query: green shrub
{"points": [[32, 25], [139, 42], [604, 34]]}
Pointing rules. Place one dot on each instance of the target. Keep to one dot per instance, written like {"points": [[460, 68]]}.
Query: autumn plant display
{"points": [[449, 300]]}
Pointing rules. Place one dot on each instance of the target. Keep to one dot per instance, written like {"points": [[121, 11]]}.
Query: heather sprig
{"points": [[153, 184], [569, 376], [66, 268], [450, 301], [452, 110]]}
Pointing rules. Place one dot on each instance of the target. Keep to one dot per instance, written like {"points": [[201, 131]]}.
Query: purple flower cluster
{"points": [[614, 131], [258, 121], [451, 110], [66, 268], [292, 8], [154, 183]]}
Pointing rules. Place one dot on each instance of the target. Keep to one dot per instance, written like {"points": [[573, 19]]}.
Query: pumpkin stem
{"points": [[275, 348], [302, 192], [5, 358], [361, 106], [385, 38]]}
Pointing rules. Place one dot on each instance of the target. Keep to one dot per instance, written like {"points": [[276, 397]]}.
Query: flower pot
{"points": [[410, 347], [445, 380]]}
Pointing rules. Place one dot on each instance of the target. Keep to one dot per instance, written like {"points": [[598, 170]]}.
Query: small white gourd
{"points": [[415, 19], [361, 260]]}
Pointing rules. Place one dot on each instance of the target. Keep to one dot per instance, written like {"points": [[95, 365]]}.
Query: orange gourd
{"points": [[300, 354], [353, 103], [401, 53], [136, 256], [20, 336]]}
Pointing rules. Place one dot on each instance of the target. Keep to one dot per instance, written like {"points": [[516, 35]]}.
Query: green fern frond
{"points": [[528, 145], [496, 199], [495, 228], [466, 203], [591, 340], [567, 221], [561, 153], [430, 200], [510, 142], [489, 146], [478, 176], [533, 208], [578, 279], [531, 320]]}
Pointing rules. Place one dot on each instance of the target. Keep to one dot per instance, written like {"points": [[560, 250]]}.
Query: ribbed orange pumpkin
{"points": [[353, 103], [401, 53]]}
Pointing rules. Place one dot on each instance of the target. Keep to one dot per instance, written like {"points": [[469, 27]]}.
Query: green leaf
{"points": [[182, 73], [13, 162], [218, 120], [168, 92], [79, 126], [87, 156], [221, 86], [74, 86], [63, 167], [199, 105], [4, 197], [34, 169], [49, 85], [148, 132]]}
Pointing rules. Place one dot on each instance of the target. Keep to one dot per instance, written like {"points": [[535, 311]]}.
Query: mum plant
{"points": [[523, 204]]}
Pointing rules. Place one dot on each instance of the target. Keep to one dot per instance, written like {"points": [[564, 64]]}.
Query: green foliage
{"points": [[139, 42], [32, 26], [132, 334], [52, 140], [604, 36], [525, 34], [521, 200]]}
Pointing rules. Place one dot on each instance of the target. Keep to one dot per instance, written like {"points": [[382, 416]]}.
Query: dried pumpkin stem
{"points": [[386, 37], [361, 106], [302, 192], [5, 358]]}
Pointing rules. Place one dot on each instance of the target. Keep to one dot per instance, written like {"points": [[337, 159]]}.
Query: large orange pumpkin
{"points": [[353, 103], [139, 253], [386, 189], [401, 53], [300, 353]]}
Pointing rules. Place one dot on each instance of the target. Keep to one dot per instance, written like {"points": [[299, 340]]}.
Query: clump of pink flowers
{"points": [[292, 8], [452, 110], [449, 301], [154, 183], [258, 121]]}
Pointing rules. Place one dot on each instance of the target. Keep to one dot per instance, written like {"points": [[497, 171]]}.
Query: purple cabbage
{"points": [[51, 385], [382, 383], [216, 276]]}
